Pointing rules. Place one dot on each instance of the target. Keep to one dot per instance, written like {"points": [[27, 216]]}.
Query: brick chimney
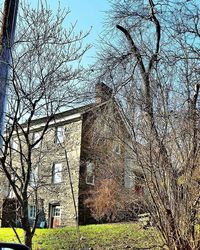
{"points": [[103, 92]]}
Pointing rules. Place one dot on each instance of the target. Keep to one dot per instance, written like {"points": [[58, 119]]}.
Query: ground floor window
{"points": [[31, 211]]}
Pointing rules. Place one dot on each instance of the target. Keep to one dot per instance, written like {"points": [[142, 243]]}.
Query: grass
{"points": [[105, 236]]}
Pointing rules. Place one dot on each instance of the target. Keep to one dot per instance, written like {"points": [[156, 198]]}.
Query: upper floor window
{"points": [[14, 144], [34, 175], [59, 135], [57, 173], [36, 136], [31, 211], [90, 173]]}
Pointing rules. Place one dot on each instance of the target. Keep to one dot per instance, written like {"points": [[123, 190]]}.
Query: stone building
{"points": [[81, 146]]}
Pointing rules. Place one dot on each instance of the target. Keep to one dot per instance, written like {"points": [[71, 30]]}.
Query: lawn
{"points": [[104, 236]]}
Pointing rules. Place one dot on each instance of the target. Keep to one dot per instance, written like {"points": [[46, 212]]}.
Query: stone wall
{"points": [[102, 132], [60, 193], [44, 157], [93, 138]]}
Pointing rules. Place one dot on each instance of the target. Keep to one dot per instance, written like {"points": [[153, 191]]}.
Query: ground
{"points": [[105, 236]]}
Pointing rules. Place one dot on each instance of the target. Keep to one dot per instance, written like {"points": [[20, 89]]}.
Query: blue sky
{"points": [[87, 13]]}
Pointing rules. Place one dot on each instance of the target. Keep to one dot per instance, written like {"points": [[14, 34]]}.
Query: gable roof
{"points": [[77, 113], [60, 115]]}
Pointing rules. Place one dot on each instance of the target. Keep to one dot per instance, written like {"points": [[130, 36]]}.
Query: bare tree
{"points": [[44, 79], [154, 68], [103, 160]]}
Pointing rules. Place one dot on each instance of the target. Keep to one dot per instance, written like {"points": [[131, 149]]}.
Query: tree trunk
{"points": [[28, 238], [26, 224]]}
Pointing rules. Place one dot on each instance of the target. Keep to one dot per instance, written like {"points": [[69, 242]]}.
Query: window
{"points": [[36, 136], [56, 211], [34, 175], [31, 211], [59, 135], [56, 173], [90, 173], [14, 144]]}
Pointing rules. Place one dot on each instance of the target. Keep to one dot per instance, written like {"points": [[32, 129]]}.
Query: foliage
{"points": [[107, 201], [108, 236]]}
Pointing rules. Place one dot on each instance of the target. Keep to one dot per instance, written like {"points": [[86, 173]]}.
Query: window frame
{"points": [[55, 209], [36, 136], [59, 138], [15, 143], [31, 211], [34, 176], [57, 174], [88, 172]]}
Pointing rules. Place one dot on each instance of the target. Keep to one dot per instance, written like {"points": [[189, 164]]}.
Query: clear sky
{"points": [[87, 13]]}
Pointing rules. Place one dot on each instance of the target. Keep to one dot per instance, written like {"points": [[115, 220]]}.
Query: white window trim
{"points": [[15, 143], [34, 175], [57, 206], [60, 135], [36, 136], [57, 174]]}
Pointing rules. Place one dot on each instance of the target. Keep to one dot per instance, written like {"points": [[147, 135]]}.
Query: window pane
{"points": [[57, 174], [56, 211], [59, 134], [32, 211], [34, 175], [36, 136], [15, 144], [90, 173]]}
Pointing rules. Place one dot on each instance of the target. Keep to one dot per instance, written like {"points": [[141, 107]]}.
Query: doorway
{"points": [[55, 216]]}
